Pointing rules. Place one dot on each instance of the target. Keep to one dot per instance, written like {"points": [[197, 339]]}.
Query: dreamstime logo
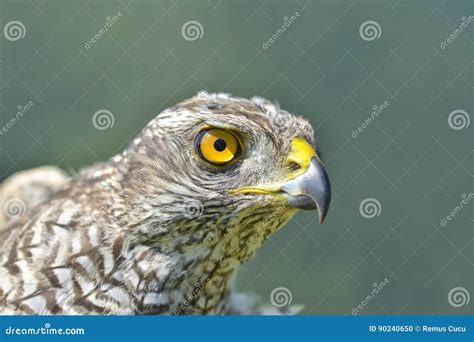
{"points": [[377, 287], [280, 297], [21, 110], [466, 198], [370, 207], [376, 111], [192, 30], [193, 208], [459, 296], [458, 119], [197, 291], [103, 119], [287, 21], [465, 21], [281, 117], [370, 30], [273, 216], [47, 329], [109, 22], [14, 30], [14, 207]]}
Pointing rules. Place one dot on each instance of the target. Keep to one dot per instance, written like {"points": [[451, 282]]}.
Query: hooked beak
{"points": [[310, 190], [307, 188]]}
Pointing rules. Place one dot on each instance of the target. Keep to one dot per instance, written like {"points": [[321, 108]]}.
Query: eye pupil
{"points": [[220, 145], [217, 146]]}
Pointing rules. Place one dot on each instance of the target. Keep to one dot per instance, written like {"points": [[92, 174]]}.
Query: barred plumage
{"points": [[156, 230]]}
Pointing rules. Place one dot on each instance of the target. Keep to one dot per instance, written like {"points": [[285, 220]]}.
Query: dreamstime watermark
{"points": [[370, 207], [189, 208], [103, 119], [21, 110], [465, 201], [14, 208], [376, 111], [458, 296], [192, 30], [465, 21], [281, 297], [14, 30], [192, 208], [46, 330], [197, 291], [287, 21], [370, 30], [377, 287], [273, 216], [459, 119], [109, 22]]}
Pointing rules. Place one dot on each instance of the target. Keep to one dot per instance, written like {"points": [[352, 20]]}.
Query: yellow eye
{"points": [[217, 146]]}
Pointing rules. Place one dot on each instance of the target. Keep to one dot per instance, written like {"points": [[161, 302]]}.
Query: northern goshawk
{"points": [[162, 227]]}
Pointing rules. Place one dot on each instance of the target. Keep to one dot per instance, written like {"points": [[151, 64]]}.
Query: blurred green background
{"points": [[413, 158]]}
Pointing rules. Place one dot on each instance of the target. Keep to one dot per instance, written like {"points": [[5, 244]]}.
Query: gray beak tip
{"points": [[311, 190], [322, 202], [322, 215]]}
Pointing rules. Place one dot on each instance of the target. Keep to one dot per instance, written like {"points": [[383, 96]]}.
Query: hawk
{"points": [[162, 227]]}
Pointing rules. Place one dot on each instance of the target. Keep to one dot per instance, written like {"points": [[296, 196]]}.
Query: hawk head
{"points": [[219, 174]]}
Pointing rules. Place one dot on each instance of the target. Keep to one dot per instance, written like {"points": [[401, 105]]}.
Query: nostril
{"points": [[294, 166]]}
